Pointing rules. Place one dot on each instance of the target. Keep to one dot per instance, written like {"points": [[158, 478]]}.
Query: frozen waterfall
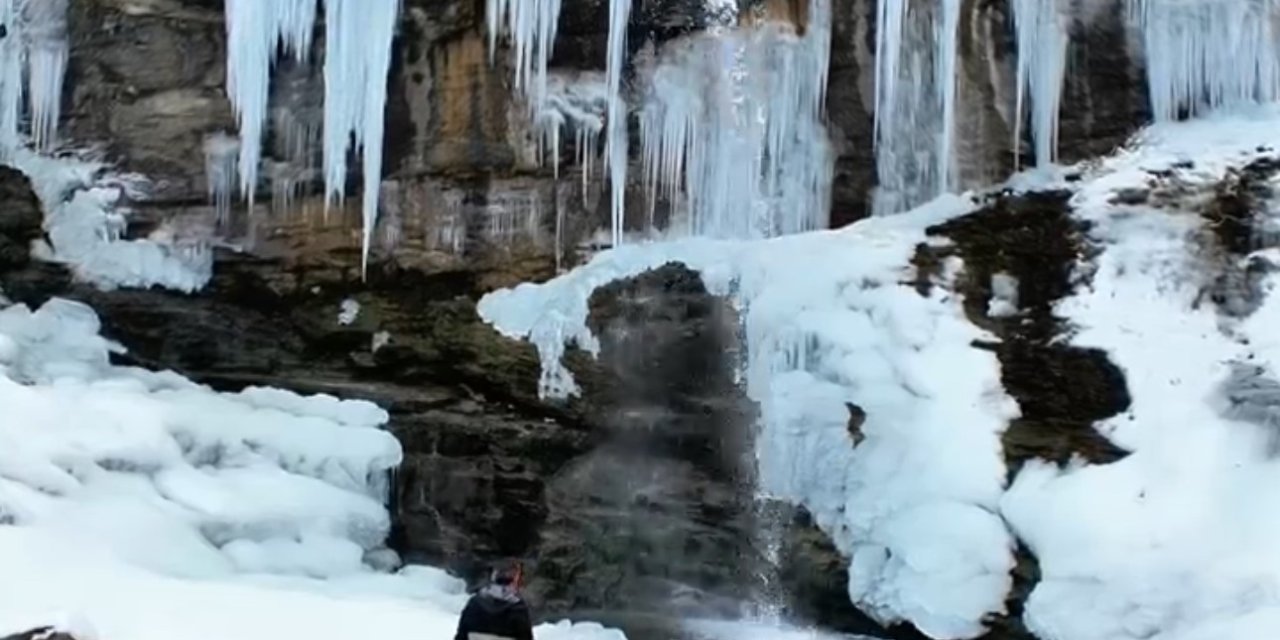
{"points": [[358, 39]]}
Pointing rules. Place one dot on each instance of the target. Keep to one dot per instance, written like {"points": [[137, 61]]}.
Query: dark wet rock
{"points": [[20, 219], [43, 633]]}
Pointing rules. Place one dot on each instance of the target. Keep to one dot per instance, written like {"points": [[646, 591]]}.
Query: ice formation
{"points": [[358, 39], [532, 25], [1042, 64], [559, 102], [915, 115], [45, 34], [33, 63], [85, 222], [1208, 54], [615, 153], [732, 129], [575, 103], [221, 161]]}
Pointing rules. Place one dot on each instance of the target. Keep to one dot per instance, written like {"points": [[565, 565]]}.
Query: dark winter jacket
{"points": [[495, 612]]}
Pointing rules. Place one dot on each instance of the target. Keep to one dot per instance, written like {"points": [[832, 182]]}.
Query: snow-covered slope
{"points": [[138, 505], [1176, 541]]}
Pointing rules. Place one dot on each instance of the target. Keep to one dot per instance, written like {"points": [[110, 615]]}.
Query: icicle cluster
{"points": [[358, 36], [532, 26], [916, 66], [33, 63], [1209, 54], [1042, 64], [732, 124]]}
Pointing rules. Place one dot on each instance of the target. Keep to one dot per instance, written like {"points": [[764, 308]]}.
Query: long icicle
{"points": [[616, 144]]}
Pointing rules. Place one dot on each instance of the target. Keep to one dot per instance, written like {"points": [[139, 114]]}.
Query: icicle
{"points": [[616, 119], [255, 28], [1042, 51], [45, 32], [357, 61], [220, 160], [1206, 55]]}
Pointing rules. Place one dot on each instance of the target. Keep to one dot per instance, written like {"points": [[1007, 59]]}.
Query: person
{"points": [[497, 612]]}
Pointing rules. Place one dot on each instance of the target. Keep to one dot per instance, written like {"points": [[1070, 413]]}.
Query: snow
{"points": [[828, 320], [1004, 296], [85, 221], [138, 505], [1176, 541], [348, 311]]}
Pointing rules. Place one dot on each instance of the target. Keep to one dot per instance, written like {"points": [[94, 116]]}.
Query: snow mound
{"points": [[137, 505], [829, 320]]}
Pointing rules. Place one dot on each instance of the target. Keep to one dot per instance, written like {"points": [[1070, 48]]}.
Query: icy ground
{"points": [[1175, 542]]}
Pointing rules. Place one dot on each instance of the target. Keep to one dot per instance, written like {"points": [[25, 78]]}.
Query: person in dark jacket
{"points": [[497, 612]]}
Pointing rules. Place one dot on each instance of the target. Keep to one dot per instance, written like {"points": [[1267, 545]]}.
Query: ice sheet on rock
{"points": [[1176, 541], [85, 222], [829, 321]]}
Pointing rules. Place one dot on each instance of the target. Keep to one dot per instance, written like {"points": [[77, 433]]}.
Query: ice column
{"points": [[1042, 53]]}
